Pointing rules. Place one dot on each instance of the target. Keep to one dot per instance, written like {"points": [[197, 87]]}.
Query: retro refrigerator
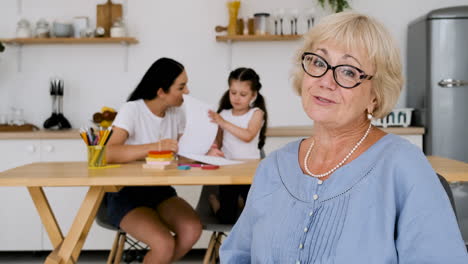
{"points": [[437, 89]]}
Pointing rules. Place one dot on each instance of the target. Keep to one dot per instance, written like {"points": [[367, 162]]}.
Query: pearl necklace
{"points": [[306, 159]]}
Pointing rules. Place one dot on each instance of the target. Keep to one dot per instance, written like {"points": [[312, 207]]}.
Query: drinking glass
{"points": [[279, 14], [310, 16], [294, 14]]}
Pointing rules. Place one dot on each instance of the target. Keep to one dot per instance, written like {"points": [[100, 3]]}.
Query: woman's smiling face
{"points": [[324, 101]]}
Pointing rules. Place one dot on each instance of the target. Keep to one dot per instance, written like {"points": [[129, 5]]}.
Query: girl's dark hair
{"points": [[247, 75], [161, 74]]}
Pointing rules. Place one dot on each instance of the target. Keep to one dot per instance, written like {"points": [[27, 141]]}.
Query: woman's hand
{"points": [[215, 117], [166, 144], [215, 151]]}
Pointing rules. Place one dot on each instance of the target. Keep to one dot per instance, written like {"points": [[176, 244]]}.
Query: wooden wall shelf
{"points": [[25, 41], [257, 38]]}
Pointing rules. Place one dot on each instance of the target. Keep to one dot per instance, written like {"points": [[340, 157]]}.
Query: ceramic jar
{"points": [[118, 29]]}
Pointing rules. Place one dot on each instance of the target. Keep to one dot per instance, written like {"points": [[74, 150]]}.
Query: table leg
{"points": [[49, 221], [68, 249], [47, 216]]}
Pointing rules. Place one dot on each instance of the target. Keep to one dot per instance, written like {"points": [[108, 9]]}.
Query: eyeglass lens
{"points": [[345, 75]]}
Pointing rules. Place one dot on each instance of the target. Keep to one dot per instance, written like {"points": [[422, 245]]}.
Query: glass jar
{"points": [[118, 29], [261, 23], [16, 117], [233, 9], [23, 29], [42, 28]]}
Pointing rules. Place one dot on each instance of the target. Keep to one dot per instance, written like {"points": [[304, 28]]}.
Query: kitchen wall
{"points": [[95, 74]]}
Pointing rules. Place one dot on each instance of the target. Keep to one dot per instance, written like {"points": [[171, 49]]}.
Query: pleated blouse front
{"points": [[355, 216]]}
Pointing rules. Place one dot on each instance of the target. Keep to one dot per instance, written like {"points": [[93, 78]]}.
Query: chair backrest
{"points": [[101, 217], [448, 190], [262, 153], [203, 209]]}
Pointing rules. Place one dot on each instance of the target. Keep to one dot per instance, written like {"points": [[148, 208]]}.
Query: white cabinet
{"points": [[65, 201], [17, 210], [20, 212]]}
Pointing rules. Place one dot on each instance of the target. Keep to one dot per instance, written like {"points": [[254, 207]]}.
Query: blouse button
{"points": [[320, 182], [298, 262], [315, 196], [306, 229], [301, 246], [311, 213]]}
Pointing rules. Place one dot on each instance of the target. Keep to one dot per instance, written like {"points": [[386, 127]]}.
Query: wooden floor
{"points": [[86, 257]]}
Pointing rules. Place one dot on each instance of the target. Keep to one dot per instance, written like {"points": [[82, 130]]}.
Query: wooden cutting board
{"points": [[106, 14]]}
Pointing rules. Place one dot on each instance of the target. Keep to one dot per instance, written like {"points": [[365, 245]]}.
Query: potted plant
{"points": [[336, 5]]}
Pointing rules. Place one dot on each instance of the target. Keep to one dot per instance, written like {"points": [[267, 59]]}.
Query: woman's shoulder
{"points": [[268, 174], [290, 148], [406, 160], [401, 149], [132, 106]]}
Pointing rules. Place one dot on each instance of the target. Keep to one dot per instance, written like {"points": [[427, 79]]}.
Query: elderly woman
{"points": [[350, 193]]}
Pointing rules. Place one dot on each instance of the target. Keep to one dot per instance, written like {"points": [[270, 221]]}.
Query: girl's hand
{"points": [[215, 117], [215, 151], [166, 144]]}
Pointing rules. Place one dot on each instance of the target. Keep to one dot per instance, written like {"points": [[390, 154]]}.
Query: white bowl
{"points": [[62, 30]]}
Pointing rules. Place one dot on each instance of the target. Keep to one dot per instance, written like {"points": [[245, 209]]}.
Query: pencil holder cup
{"points": [[96, 156]]}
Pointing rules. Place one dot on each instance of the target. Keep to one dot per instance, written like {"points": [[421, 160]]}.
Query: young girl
{"points": [[151, 120], [242, 120]]}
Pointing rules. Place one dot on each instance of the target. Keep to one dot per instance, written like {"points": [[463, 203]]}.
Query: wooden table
{"points": [[35, 176], [451, 170], [67, 249]]}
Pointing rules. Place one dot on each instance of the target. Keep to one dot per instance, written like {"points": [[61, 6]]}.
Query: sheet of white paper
{"points": [[199, 132], [211, 160]]}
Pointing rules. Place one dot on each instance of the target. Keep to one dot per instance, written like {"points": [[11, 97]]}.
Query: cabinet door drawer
{"points": [[63, 150], [20, 222], [15, 153]]}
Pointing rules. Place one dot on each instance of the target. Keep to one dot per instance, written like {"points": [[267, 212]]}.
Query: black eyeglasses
{"points": [[346, 76]]}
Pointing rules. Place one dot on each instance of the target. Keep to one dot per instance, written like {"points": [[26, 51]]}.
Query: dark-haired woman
{"points": [[150, 120], [242, 120]]}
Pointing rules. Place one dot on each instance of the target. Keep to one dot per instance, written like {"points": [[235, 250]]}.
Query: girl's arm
{"points": [[244, 134], [117, 151], [215, 149]]}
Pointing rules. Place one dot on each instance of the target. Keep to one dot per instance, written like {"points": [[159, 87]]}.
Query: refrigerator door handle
{"points": [[452, 83]]}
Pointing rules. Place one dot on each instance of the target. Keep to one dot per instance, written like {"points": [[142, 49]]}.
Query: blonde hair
{"points": [[358, 31]]}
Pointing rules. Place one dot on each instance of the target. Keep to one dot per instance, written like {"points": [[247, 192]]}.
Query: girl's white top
{"points": [[233, 147]]}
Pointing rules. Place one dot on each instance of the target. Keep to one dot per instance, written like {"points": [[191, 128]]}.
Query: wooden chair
{"points": [[211, 223]]}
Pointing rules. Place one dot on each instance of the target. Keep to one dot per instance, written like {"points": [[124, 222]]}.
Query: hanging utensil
{"points": [[62, 121], [52, 121]]}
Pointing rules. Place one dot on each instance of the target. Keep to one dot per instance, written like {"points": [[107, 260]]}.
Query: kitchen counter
{"points": [[281, 131], [42, 134], [305, 131]]}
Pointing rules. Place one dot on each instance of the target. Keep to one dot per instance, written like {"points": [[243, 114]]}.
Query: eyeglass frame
{"points": [[329, 67]]}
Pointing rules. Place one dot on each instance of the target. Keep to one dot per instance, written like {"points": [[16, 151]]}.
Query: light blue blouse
{"points": [[386, 206]]}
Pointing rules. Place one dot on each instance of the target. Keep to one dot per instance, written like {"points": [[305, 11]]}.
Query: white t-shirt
{"points": [[144, 127], [233, 147]]}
